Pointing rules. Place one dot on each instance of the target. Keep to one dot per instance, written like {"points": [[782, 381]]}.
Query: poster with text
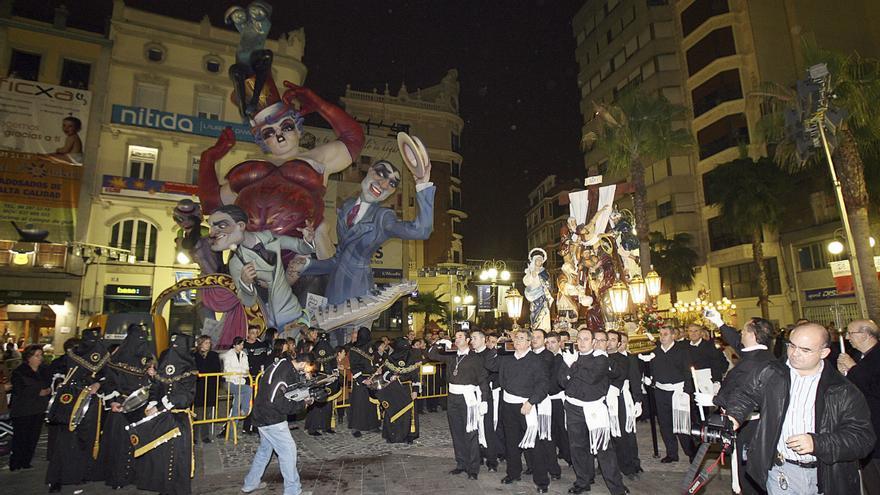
{"points": [[32, 114], [38, 193]]}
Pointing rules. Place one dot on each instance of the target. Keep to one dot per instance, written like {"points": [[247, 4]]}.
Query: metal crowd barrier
{"points": [[431, 376]]}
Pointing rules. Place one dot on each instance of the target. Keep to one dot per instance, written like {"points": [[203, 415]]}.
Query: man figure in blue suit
{"points": [[363, 225]]}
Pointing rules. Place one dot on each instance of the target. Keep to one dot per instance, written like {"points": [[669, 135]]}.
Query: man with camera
{"points": [[269, 416], [865, 374], [815, 425], [753, 348]]}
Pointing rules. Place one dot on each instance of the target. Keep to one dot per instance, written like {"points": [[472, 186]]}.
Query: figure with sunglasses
{"points": [[752, 345], [363, 225]]}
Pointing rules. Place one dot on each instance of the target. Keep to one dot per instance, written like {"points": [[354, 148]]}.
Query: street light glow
{"points": [[505, 275], [182, 258], [468, 299], [835, 247]]}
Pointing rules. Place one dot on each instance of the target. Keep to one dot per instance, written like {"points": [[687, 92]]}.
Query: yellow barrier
{"points": [[218, 383], [430, 376]]}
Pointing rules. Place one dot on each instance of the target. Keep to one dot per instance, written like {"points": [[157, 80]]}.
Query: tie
{"points": [[352, 214], [268, 256]]}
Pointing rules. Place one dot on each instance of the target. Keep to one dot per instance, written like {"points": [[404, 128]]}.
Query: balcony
{"points": [[717, 44], [724, 86], [33, 256], [728, 132], [699, 12]]}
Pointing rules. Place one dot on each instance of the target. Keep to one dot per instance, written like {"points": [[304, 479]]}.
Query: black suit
{"points": [[671, 367], [866, 376]]}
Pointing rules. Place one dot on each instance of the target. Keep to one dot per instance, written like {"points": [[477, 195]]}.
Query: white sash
{"points": [[596, 416], [612, 400], [496, 397], [630, 405], [472, 398]]}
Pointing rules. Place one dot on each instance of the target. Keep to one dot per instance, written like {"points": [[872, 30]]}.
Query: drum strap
{"points": [[159, 441], [97, 445]]}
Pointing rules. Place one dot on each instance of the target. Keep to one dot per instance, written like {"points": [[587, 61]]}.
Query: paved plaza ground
{"points": [[341, 464]]}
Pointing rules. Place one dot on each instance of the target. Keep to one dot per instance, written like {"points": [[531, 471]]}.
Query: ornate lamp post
{"points": [[638, 289], [652, 281], [619, 297], [514, 302]]}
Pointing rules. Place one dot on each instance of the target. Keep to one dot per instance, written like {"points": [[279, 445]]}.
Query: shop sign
{"points": [[820, 294], [32, 297], [139, 291]]}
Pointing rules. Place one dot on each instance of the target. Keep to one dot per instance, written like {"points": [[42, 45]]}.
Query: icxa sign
{"points": [[176, 122]]}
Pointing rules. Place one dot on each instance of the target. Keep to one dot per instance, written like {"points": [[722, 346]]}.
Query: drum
{"points": [[152, 431], [136, 399], [80, 408]]}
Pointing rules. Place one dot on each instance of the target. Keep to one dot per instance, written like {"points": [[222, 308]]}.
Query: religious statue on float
{"points": [[537, 290]]}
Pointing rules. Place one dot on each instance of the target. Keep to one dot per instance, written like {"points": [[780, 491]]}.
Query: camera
{"points": [[317, 392], [717, 429]]}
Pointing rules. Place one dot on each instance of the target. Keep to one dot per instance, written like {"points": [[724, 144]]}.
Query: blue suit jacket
{"points": [[349, 269]]}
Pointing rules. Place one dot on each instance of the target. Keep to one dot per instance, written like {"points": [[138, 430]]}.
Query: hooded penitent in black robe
{"points": [[73, 459], [364, 411], [125, 372], [320, 414], [163, 444], [400, 421]]}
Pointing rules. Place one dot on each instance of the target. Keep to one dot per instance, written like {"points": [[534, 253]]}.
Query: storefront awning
{"points": [[32, 297]]}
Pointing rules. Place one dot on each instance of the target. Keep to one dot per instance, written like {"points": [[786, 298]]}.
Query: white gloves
{"points": [[445, 343], [713, 316], [647, 381], [484, 407], [646, 357], [716, 386], [704, 400], [569, 358], [637, 409]]}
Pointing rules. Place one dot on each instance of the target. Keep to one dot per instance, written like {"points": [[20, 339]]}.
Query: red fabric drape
{"points": [[235, 323]]}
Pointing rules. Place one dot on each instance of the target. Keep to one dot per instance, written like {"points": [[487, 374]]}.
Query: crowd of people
{"points": [[805, 416]]}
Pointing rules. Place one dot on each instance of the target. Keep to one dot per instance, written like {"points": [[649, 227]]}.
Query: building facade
{"points": [[710, 56]]}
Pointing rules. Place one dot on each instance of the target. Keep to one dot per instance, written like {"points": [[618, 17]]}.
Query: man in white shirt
{"points": [[235, 363]]}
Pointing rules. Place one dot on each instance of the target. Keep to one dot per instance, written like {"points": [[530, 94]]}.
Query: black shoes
{"points": [[492, 469], [528, 471], [556, 476], [54, 487], [578, 489], [332, 432], [315, 433], [456, 471], [667, 459], [542, 489], [356, 433], [472, 476], [508, 480]]}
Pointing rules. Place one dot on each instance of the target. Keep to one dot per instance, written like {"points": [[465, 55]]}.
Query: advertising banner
{"points": [[141, 188], [38, 191], [387, 261], [843, 280], [31, 114]]}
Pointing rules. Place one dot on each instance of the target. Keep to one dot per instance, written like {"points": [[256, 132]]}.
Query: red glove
{"points": [[209, 184], [348, 130]]}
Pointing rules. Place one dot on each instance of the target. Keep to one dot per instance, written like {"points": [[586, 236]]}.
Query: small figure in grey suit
{"points": [[363, 225], [256, 265]]}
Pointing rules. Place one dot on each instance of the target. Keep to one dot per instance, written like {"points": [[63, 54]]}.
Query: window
{"points": [[142, 162], [138, 236], [194, 162], [456, 226], [715, 45], [728, 132], [23, 65], [75, 74], [456, 200], [722, 87], [456, 143], [722, 237], [664, 209], [699, 12], [456, 169], [812, 257], [741, 280], [154, 52], [148, 95], [213, 64], [209, 106]]}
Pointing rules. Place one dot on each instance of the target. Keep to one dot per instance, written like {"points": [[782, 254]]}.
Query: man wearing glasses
{"points": [[815, 425], [865, 374]]}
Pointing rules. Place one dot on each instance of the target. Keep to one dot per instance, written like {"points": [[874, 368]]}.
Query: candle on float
{"points": [[842, 349]]}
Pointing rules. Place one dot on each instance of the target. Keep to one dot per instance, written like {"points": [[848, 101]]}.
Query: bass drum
{"points": [[61, 405]]}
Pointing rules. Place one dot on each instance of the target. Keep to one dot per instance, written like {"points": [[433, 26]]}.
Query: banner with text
{"points": [[36, 190], [31, 114], [843, 280]]}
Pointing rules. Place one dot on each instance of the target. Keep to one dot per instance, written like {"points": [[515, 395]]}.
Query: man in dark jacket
{"points": [[865, 374], [815, 425], [753, 348], [270, 412]]}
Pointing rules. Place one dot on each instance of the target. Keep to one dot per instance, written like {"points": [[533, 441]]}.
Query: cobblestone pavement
{"points": [[341, 464]]}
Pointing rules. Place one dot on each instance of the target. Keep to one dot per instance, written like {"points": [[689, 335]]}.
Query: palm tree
{"points": [[750, 196], [430, 304], [857, 90], [674, 260], [638, 130]]}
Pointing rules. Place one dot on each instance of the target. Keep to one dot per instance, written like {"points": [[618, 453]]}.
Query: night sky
{"points": [[515, 59]]}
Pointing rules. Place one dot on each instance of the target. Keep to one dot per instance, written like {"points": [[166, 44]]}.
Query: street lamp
{"points": [[514, 302], [468, 300], [619, 297], [493, 270], [835, 247], [638, 289], [652, 280]]}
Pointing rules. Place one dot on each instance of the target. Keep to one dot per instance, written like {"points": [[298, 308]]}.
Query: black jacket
{"points": [[843, 425], [26, 386], [270, 405], [866, 376]]}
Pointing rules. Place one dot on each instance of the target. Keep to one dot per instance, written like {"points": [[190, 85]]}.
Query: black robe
{"points": [[400, 422], [73, 459], [320, 413], [363, 414], [125, 372], [168, 467]]}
